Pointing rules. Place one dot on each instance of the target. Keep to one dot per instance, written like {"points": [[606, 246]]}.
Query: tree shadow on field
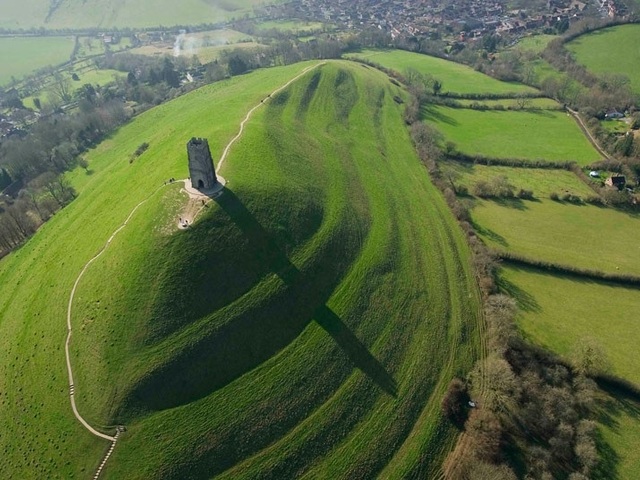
{"points": [[524, 299], [616, 403], [431, 113], [514, 202], [259, 331], [490, 234]]}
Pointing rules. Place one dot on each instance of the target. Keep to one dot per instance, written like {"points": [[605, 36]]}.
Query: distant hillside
{"points": [[308, 323], [59, 14]]}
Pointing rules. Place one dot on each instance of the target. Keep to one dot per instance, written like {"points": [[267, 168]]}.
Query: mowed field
{"points": [[455, 77], [308, 323], [22, 55], [528, 134], [614, 50], [105, 14]]}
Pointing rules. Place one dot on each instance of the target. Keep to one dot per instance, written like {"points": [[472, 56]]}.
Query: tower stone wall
{"points": [[201, 171]]}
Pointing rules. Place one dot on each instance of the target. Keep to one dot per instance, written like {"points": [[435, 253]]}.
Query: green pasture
{"points": [[583, 236], [290, 331], [24, 55], [534, 43], [614, 50], [513, 103], [105, 14], [455, 77], [527, 134], [557, 320], [542, 182]]}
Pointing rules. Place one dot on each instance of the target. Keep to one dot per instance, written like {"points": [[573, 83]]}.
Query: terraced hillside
{"points": [[307, 324], [60, 14]]}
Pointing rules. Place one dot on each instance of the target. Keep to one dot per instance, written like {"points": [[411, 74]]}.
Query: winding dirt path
{"points": [[250, 112], [114, 439]]}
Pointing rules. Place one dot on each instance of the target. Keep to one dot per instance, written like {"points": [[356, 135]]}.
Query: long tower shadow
{"points": [[355, 350], [259, 332]]}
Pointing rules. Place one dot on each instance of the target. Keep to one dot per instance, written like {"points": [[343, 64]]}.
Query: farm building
{"points": [[617, 181]]}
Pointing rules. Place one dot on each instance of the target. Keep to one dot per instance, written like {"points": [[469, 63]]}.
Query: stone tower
{"points": [[203, 175]]}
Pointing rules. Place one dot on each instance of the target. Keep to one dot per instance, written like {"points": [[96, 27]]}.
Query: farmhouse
{"points": [[203, 176], [617, 181]]}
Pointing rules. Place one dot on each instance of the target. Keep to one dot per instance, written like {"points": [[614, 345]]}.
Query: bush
{"points": [[454, 403], [554, 196], [525, 194], [571, 198], [141, 149], [594, 200]]}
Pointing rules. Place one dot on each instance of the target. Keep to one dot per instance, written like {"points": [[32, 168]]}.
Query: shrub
{"points": [[525, 194], [454, 403], [554, 196]]}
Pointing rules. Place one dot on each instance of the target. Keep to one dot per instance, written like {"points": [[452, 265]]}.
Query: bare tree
{"points": [[61, 88]]}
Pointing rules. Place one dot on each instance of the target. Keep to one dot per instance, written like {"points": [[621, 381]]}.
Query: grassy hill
{"points": [[308, 323], [104, 14], [612, 50]]}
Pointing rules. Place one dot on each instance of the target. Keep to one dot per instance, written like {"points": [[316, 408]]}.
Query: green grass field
{"points": [[583, 236], [23, 55], [455, 77], [559, 321], [535, 43], [105, 14], [541, 182], [533, 135], [533, 103], [613, 50], [308, 323]]}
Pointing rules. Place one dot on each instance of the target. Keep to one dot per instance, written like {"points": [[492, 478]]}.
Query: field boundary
{"points": [[627, 280]]}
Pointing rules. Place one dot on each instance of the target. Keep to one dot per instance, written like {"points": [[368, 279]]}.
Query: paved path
{"points": [[114, 439]]}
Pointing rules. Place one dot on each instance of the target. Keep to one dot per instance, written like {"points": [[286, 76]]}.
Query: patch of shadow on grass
{"points": [[540, 112], [524, 299], [346, 95], [261, 330], [355, 349], [431, 113], [309, 93], [490, 234], [515, 203], [611, 408]]}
